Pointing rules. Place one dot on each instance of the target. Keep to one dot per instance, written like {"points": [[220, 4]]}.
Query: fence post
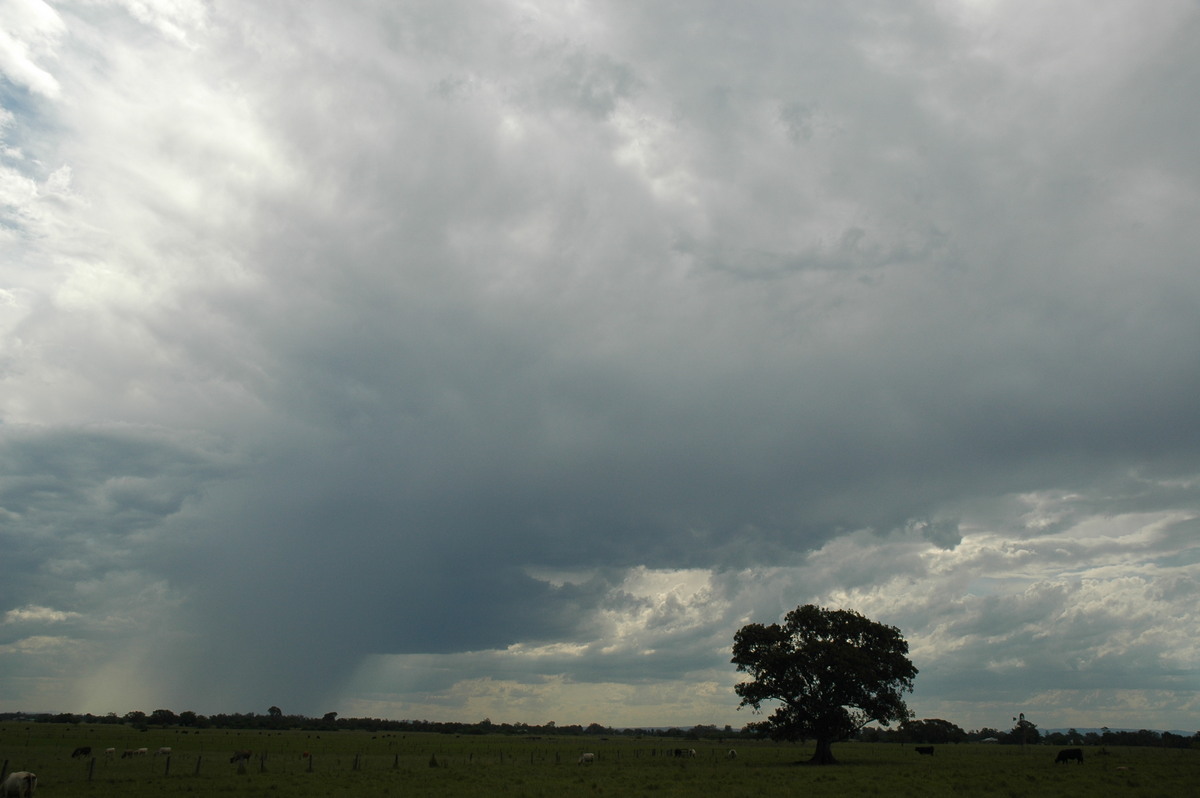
{"points": [[198, 765], [91, 767], [167, 767]]}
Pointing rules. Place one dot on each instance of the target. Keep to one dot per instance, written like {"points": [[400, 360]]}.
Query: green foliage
{"points": [[162, 717], [931, 730], [1024, 733], [833, 671]]}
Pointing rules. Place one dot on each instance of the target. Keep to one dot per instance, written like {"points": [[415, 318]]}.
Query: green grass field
{"points": [[361, 764]]}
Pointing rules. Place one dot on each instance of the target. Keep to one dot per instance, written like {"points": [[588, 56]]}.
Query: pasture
{"points": [[345, 763]]}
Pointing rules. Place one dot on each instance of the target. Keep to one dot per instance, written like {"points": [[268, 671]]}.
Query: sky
{"points": [[461, 360]]}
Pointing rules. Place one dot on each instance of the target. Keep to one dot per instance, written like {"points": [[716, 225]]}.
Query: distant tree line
{"points": [[929, 731], [275, 719], [938, 731]]}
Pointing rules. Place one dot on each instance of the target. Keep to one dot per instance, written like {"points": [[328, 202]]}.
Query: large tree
{"points": [[833, 672]]}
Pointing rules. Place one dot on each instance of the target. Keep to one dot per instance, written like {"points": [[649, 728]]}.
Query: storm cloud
{"points": [[456, 360]]}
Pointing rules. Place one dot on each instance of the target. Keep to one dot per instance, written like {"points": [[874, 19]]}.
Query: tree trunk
{"points": [[824, 754]]}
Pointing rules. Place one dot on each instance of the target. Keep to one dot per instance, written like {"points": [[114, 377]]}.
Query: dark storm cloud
{"points": [[340, 334], [94, 489]]}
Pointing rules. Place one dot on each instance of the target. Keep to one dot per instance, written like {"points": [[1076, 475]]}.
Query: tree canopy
{"points": [[833, 671]]}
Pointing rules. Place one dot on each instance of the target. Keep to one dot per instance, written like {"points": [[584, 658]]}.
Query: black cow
{"points": [[83, 750], [240, 757], [926, 750], [1067, 754]]}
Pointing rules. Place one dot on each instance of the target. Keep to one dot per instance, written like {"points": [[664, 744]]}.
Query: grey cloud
{"points": [[118, 468], [591, 83], [477, 293]]}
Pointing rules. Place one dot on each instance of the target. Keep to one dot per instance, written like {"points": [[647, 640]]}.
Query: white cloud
{"points": [[30, 35], [30, 613], [172, 18]]}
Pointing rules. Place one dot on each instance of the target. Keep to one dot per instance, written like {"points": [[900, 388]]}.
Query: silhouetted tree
{"points": [[833, 672], [162, 717], [932, 730], [1024, 733]]}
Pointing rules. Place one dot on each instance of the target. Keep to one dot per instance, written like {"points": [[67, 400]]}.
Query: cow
{"points": [[19, 784], [165, 751], [83, 750], [240, 757], [141, 751], [1067, 754], [925, 750], [110, 752], [731, 754], [587, 759]]}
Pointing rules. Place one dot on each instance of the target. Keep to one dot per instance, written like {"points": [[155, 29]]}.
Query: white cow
{"points": [[165, 751], [587, 759], [110, 752], [19, 784], [732, 754]]}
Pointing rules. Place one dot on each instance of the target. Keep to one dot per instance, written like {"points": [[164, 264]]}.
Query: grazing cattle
{"points": [[141, 751], [1067, 754], [129, 753], [110, 752], [83, 750], [165, 751], [587, 759], [684, 752], [925, 750], [240, 756], [731, 754], [19, 784]]}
